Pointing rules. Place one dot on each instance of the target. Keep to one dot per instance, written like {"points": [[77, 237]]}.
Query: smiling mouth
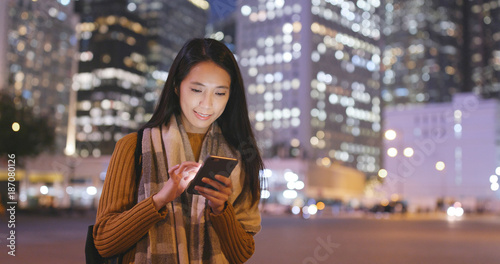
{"points": [[202, 115]]}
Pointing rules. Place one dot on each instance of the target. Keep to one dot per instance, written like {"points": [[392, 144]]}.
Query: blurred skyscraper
{"points": [[443, 152], [422, 57], [222, 22], [38, 63], [434, 49], [111, 75], [224, 30], [170, 24], [482, 47], [126, 49], [312, 73]]}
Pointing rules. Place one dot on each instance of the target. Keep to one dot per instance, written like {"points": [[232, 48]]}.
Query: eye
{"points": [[195, 90], [221, 93]]}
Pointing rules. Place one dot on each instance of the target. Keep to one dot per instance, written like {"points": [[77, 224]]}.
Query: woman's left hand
{"points": [[216, 199]]}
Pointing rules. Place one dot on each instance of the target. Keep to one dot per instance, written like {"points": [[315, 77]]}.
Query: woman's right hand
{"points": [[180, 176]]}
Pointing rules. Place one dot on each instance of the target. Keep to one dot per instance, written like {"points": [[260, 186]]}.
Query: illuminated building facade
{"points": [[422, 57], [170, 24], [224, 30], [38, 62], [111, 80], [126, 49], [222, 23], [443, 151], [482, 42], [311, 69]]}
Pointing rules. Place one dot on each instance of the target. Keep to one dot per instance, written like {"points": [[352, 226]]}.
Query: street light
{"points": [[408, 152], [382, 173], [494, 182], [392, 152], [440, 166], [390, 134], [16, 127]]}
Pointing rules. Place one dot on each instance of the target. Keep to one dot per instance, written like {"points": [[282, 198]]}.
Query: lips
{"points": [[202, 116]]}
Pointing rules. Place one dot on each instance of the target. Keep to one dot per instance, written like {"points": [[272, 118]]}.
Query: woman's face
{"points": [[204, 93]]}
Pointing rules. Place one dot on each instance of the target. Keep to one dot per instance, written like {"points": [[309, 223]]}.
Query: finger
{"points": [[217, 185], [221, 187], [211, 193], [225, 180], [193, 169], [191, 163], [171, 170], [213, 202], [187, 165]]}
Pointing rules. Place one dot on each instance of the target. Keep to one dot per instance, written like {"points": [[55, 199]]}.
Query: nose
{"points": [[206, 100]]}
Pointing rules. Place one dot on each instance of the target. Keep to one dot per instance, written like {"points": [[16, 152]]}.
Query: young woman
{"points": [[202, 111]]}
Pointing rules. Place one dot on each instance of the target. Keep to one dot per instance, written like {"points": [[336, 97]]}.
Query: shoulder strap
{"points": [[138, 157]]}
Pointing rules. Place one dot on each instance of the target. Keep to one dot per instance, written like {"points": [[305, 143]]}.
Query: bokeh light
{"points": [[16, 127], [440, 165], [390, 134]]}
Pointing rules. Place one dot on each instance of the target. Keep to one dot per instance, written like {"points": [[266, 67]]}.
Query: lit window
{"points": [[408, 152], [297, 26], [254, 17], [295, 122], [259, 126], [106, 58], [392, 152], [246, 10], [287, 28], [287, 57], [251, 89], [253, 71], [315, 56], [269, 42]]}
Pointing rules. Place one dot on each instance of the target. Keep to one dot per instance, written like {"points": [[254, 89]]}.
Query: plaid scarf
{"points": [[186, 234]]}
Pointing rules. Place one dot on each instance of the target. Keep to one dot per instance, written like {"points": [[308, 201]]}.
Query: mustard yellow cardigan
{"points": [[120, 222]]}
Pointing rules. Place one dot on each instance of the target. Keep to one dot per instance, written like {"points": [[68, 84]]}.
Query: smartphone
{"points": [[213, 165]]}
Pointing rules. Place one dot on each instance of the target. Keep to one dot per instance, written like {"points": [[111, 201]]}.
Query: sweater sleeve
{"points": [[237, 244], [120, 222]]}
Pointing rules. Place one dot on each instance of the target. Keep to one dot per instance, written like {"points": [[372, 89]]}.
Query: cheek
{"points": [[222, 105], [184, 99]]}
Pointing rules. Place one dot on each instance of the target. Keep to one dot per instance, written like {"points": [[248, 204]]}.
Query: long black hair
{"points": [[234, 121]]}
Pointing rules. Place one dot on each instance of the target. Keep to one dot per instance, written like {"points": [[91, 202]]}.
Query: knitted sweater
{"points": [[120, 222]]}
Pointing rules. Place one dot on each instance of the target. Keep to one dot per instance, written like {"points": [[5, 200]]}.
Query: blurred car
{"points": [[391, 207]]}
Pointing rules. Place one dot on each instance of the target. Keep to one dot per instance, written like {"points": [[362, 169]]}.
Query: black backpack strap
{"points": [[138, 157]]}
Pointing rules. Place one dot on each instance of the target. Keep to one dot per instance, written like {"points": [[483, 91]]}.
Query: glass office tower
{"points": [[38, 60], [111, 81], [482, 44], [422, 58], [126, 49], [170, 24], [312, 70]]}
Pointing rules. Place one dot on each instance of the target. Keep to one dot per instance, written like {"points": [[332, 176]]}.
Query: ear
{"points": [[177, 90]]}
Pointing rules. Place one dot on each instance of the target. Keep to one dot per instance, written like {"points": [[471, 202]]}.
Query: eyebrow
{"points": [[201, 84]]}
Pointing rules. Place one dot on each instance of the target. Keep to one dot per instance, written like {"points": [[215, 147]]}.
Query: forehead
{"points": [[207, 66], [208, 71]]}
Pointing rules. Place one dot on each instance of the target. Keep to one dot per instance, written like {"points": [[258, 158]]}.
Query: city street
{"points": [[346, 239]]}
